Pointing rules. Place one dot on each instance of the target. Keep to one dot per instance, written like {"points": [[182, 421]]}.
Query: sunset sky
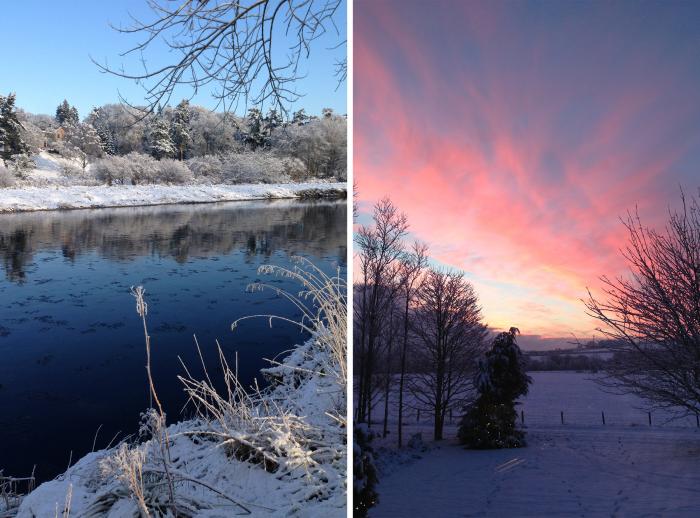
{"points": [[514, 135]]}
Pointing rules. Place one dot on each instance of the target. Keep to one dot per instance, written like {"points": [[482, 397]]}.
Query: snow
{"points": [[581, 468], [48, 165], [80, 197], [572, 472], [316, 491]]}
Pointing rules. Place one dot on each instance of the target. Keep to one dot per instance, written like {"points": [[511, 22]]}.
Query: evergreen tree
{"points": [[501, 379], [256, 134], [364, 471], [300, 118], [67, 114], [98, 120], [180, 128], [272, 120], [159, 143], [11, 141]]}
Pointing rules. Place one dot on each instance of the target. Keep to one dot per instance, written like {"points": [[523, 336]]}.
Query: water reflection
{"points": [[71, 350], [179, 232]]}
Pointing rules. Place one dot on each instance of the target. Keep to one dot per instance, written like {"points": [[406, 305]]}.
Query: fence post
{"points": [[649, 418], [602, 413], [562, 417], [522, 417]]}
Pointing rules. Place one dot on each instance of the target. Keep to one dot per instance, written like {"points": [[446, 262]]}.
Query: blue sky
{"points": [[47, 47]]}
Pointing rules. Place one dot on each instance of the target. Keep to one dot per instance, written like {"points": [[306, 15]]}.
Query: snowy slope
{"points": [[78, 197]]}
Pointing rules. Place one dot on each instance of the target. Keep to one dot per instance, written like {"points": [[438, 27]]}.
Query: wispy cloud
{"points": [[514, 139]]}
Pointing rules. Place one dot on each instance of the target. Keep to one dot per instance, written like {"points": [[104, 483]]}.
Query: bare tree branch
{"points": [[229, 45]]}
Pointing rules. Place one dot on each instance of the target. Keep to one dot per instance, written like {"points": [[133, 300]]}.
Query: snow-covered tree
{"points": [[273, 120], [67, 114], [255, 136], [98, 120], [300, 118], [364, 471], [160, 145], [490, 422], [180, 128], [84, 137], [11, 138]]}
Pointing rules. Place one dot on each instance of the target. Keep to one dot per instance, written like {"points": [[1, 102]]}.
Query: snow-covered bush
{"points": [[321, 145], [490, 422], [364, 470], [172, 172], [141, 168], [71, 170], [112, 170], [7, 178], [205, 167], [20, 165], [254, 167]]}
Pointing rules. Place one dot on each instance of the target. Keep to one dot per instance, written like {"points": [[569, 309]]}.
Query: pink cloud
{"points": [[487, 176]]}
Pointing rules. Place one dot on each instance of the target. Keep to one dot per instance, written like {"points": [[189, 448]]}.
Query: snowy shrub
{"points": [[71, 170], [364, 470], [295, 169], [490, 422], [172, 172], [21, 165], [321, 145], [112, 170], [205, 167], [141, 168], [254, 167], [7, 178]]}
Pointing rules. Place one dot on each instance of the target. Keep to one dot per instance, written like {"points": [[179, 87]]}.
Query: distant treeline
{"points": [[565, 362], [215, 147]]}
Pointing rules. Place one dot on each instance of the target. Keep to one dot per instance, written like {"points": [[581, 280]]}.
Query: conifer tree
{"points": [[180, 128], [160, 145], [490, 422], [300, 118], [98, 121], [272, 120], [11, 140], [67, 114], [256, 135]]}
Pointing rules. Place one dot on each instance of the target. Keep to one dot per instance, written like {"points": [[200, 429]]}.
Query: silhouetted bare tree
{"points": [[654, 314], [411, 269], [379, 246], [449, 340]]}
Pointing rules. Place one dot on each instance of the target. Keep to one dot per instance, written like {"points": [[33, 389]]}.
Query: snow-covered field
{"points": [[625, 468], [82, 197]]}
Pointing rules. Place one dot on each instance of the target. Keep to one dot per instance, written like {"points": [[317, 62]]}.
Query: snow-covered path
{"points": [[80, 197], [572, 471]]}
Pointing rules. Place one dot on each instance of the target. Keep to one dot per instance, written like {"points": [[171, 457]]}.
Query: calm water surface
{"points": [[71, 345]]}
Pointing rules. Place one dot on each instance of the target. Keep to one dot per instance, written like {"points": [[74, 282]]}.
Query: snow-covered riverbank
{"points": [[83, 197]]}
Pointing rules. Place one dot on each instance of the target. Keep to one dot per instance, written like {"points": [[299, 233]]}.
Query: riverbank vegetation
{"points": [[186, 144], [280, 450]]}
